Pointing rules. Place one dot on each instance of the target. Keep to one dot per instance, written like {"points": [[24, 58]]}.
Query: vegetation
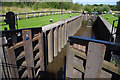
{"points": [[64, 5], [110, 18], [40, 21]]}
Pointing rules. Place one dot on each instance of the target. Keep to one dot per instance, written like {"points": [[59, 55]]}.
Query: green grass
{"points": [[40, 21], [111, 18]]}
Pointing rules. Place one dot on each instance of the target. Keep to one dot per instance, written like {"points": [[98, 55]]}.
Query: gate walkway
{"points": [[56, 68]]}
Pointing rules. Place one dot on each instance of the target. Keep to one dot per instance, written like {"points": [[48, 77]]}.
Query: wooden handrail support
{"points": [[107, 65]]}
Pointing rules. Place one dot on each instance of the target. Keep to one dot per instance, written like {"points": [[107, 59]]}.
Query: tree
{"points": [[106, 8], [77, 7], [89, 8], [118, 6]]}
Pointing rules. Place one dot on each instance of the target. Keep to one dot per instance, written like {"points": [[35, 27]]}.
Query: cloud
{"points": [[95, 0]]}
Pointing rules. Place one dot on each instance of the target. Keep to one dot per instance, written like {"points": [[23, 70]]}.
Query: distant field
{"points": [[110, 18], [40, 21]]}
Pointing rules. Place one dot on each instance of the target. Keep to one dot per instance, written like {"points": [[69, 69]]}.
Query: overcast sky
{"points": [[84, 2]]}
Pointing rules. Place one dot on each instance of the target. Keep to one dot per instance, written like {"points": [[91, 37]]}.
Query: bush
{"points": [[106, 8], [35, 6], [21, 5], [42, 5]]}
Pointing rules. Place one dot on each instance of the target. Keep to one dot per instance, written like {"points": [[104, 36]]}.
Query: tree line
{"points": [[65, 5]]}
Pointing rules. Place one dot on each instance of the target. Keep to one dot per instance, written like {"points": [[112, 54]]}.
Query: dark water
{"points": [[56, 69]]}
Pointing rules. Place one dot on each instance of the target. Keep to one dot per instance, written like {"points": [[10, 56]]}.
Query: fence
{"points": [[28, 52], [37, 14], [35, 47], [86, 59]]}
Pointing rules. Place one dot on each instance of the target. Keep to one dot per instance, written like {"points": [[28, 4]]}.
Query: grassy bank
{"points": [[110, 19], [40, 21]]}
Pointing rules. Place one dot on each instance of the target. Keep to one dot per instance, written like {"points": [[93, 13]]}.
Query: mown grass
{"points": [[110, 19], [40, 21]]}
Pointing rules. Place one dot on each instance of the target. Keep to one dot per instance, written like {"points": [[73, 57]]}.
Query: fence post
{"points": [[56, 42], [45, 13], [95, 58], [26, 15], [34, 14], [39, 14], [52, 12], [41, 50], [18, 16], [27, 39], [50, 46]]}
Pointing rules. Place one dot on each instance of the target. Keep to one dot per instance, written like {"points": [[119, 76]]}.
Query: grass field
{"points": [[40, 21], [110, 18]]}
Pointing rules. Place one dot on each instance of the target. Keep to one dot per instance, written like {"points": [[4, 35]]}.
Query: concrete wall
{"points": [[56, 36]]}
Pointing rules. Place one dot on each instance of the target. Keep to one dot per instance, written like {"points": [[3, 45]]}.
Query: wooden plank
{"points": [[36, 47], [95, 58], [5, 59], [70, 63], [80, 68], [50, 46], [21, 55], [17, 45], [35, 38], [37, 56], [1, 57], [27, 39], [105, 74], [41, 51], [77, 74], [107, 65], [79, 53], [78, 64], [111, 67], [12, 58]]}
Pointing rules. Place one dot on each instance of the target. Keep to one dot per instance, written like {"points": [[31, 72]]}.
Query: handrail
{"points": [[85, 41]]}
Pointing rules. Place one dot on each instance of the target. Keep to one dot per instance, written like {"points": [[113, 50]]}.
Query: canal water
{"points": [[56, 69]]}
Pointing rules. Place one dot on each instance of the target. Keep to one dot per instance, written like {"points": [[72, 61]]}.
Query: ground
{"points": [[110, 18], [40, 21]]}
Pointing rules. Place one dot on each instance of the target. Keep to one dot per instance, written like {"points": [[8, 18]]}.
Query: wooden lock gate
{"points": [[86, 59]]}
